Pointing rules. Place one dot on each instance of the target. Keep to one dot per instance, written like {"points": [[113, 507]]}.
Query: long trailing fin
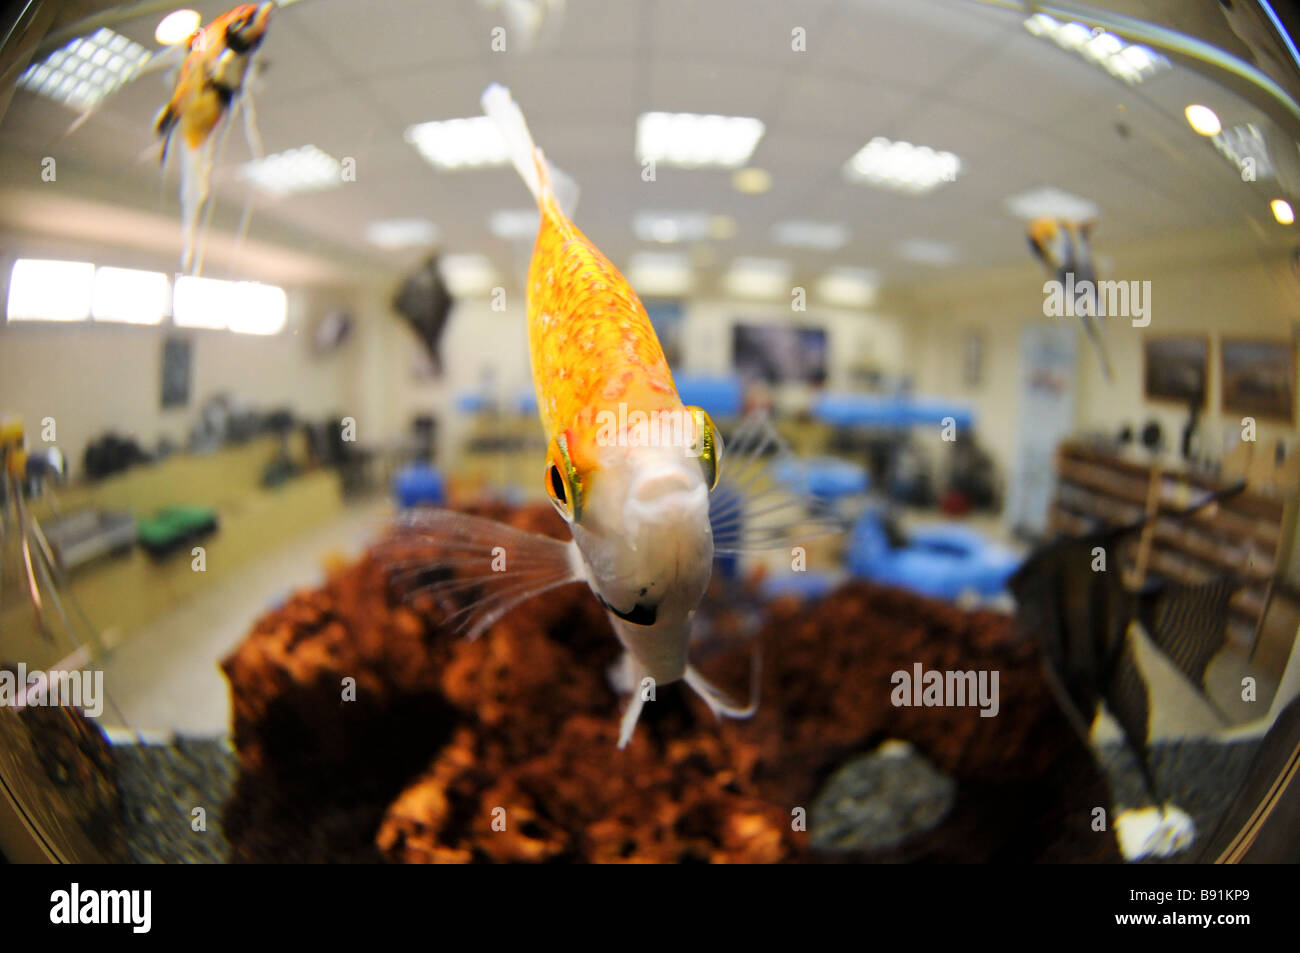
{"points": [[1129, 701], [761, 501], [540, 176], [476, 568], [1093, 329], [196, 180], [719, 704]]}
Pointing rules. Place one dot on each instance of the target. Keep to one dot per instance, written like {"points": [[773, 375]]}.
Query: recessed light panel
{"points": [[85, 70], [693, 140], [902, 166], [304, 169], [453, 144]]}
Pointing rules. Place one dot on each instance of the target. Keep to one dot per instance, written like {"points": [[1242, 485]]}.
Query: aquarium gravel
{"points": [[503, 748]]}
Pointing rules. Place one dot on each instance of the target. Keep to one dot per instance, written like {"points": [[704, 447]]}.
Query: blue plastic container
{"points": [[419, 484], [721, 397]]}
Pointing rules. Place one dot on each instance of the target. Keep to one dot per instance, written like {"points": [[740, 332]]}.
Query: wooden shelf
{"points": [[1246, 535]]}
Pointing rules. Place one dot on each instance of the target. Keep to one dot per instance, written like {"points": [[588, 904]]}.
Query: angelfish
{"points": [[1082, 618], [643, 501], [1065, 248], [211, 81]]}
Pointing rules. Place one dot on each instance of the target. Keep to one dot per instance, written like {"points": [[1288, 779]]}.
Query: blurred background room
{"points": [[867, 219]]}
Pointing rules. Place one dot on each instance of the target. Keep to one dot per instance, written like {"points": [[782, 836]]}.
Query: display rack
{"points": [[1249, 534]]}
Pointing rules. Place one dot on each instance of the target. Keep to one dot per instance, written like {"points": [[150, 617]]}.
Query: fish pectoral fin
{"points": [[760, 501], [478, 569]]}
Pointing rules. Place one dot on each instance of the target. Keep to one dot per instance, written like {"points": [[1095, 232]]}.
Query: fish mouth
{"points": [[639, 614]]}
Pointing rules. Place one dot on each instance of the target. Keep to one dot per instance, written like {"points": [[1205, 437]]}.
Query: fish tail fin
{"points": [[544, 181]]}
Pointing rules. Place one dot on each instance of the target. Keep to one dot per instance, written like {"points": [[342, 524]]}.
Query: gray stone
{"points": [[878, 800]]}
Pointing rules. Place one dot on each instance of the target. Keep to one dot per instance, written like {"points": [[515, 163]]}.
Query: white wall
{"points": [[1210, 296], [95, 377]]}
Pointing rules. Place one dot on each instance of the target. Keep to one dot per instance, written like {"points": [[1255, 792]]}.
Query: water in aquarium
{"points": [[564, 431]]}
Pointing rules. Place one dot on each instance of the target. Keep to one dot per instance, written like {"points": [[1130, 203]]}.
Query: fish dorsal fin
{"points": [[756, 504], [544, 181], [476, 568]]}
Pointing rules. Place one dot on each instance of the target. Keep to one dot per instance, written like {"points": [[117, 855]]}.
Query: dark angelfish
{"points": [[1080, 613]]}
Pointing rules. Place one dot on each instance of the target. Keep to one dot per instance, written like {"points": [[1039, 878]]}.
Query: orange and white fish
{"points": [[634, 472], [1065, 249], [211, 79]]}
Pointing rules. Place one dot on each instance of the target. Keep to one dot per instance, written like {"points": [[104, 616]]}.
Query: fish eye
{"points": [[562, 480], [557, 485], [707, 446]]}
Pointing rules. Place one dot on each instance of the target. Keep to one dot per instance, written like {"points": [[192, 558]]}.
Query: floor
{"points": [[165, 677]]}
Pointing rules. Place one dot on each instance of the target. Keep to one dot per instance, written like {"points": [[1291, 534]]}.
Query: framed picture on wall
{"points": [[1258, 376], [177, 362], [1174, 368]]}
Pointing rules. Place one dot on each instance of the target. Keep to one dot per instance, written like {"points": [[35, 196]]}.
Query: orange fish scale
{"points": [[590, 339]]}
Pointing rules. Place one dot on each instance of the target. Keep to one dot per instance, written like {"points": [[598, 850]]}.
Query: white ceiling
{"points": [[959, 75]]}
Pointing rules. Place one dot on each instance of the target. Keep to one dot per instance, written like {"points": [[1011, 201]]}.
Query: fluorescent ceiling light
{"points": [[669, 227], [177, 26], [751, 181], [85, 70], [202, 302], [692, 140], [305, 169], [660, 273], [902, 166], [758, 278], [1130, 62], [1242, 143], [467, 275], [459, 143], [848, 287], [1051, 202], [823, 236], [43, 290], [925, 251], [396, 233], [129, 296], [246, 307], [515, 224], [1282, 211], [263, 309]]}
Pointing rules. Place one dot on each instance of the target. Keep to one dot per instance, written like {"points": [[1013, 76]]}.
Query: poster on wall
{"points": [[1047, 397], [1258, 377], [1175, 368], [177, 366]]}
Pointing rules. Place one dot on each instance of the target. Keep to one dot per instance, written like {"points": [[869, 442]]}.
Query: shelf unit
{"points": [[1249, 534]]}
